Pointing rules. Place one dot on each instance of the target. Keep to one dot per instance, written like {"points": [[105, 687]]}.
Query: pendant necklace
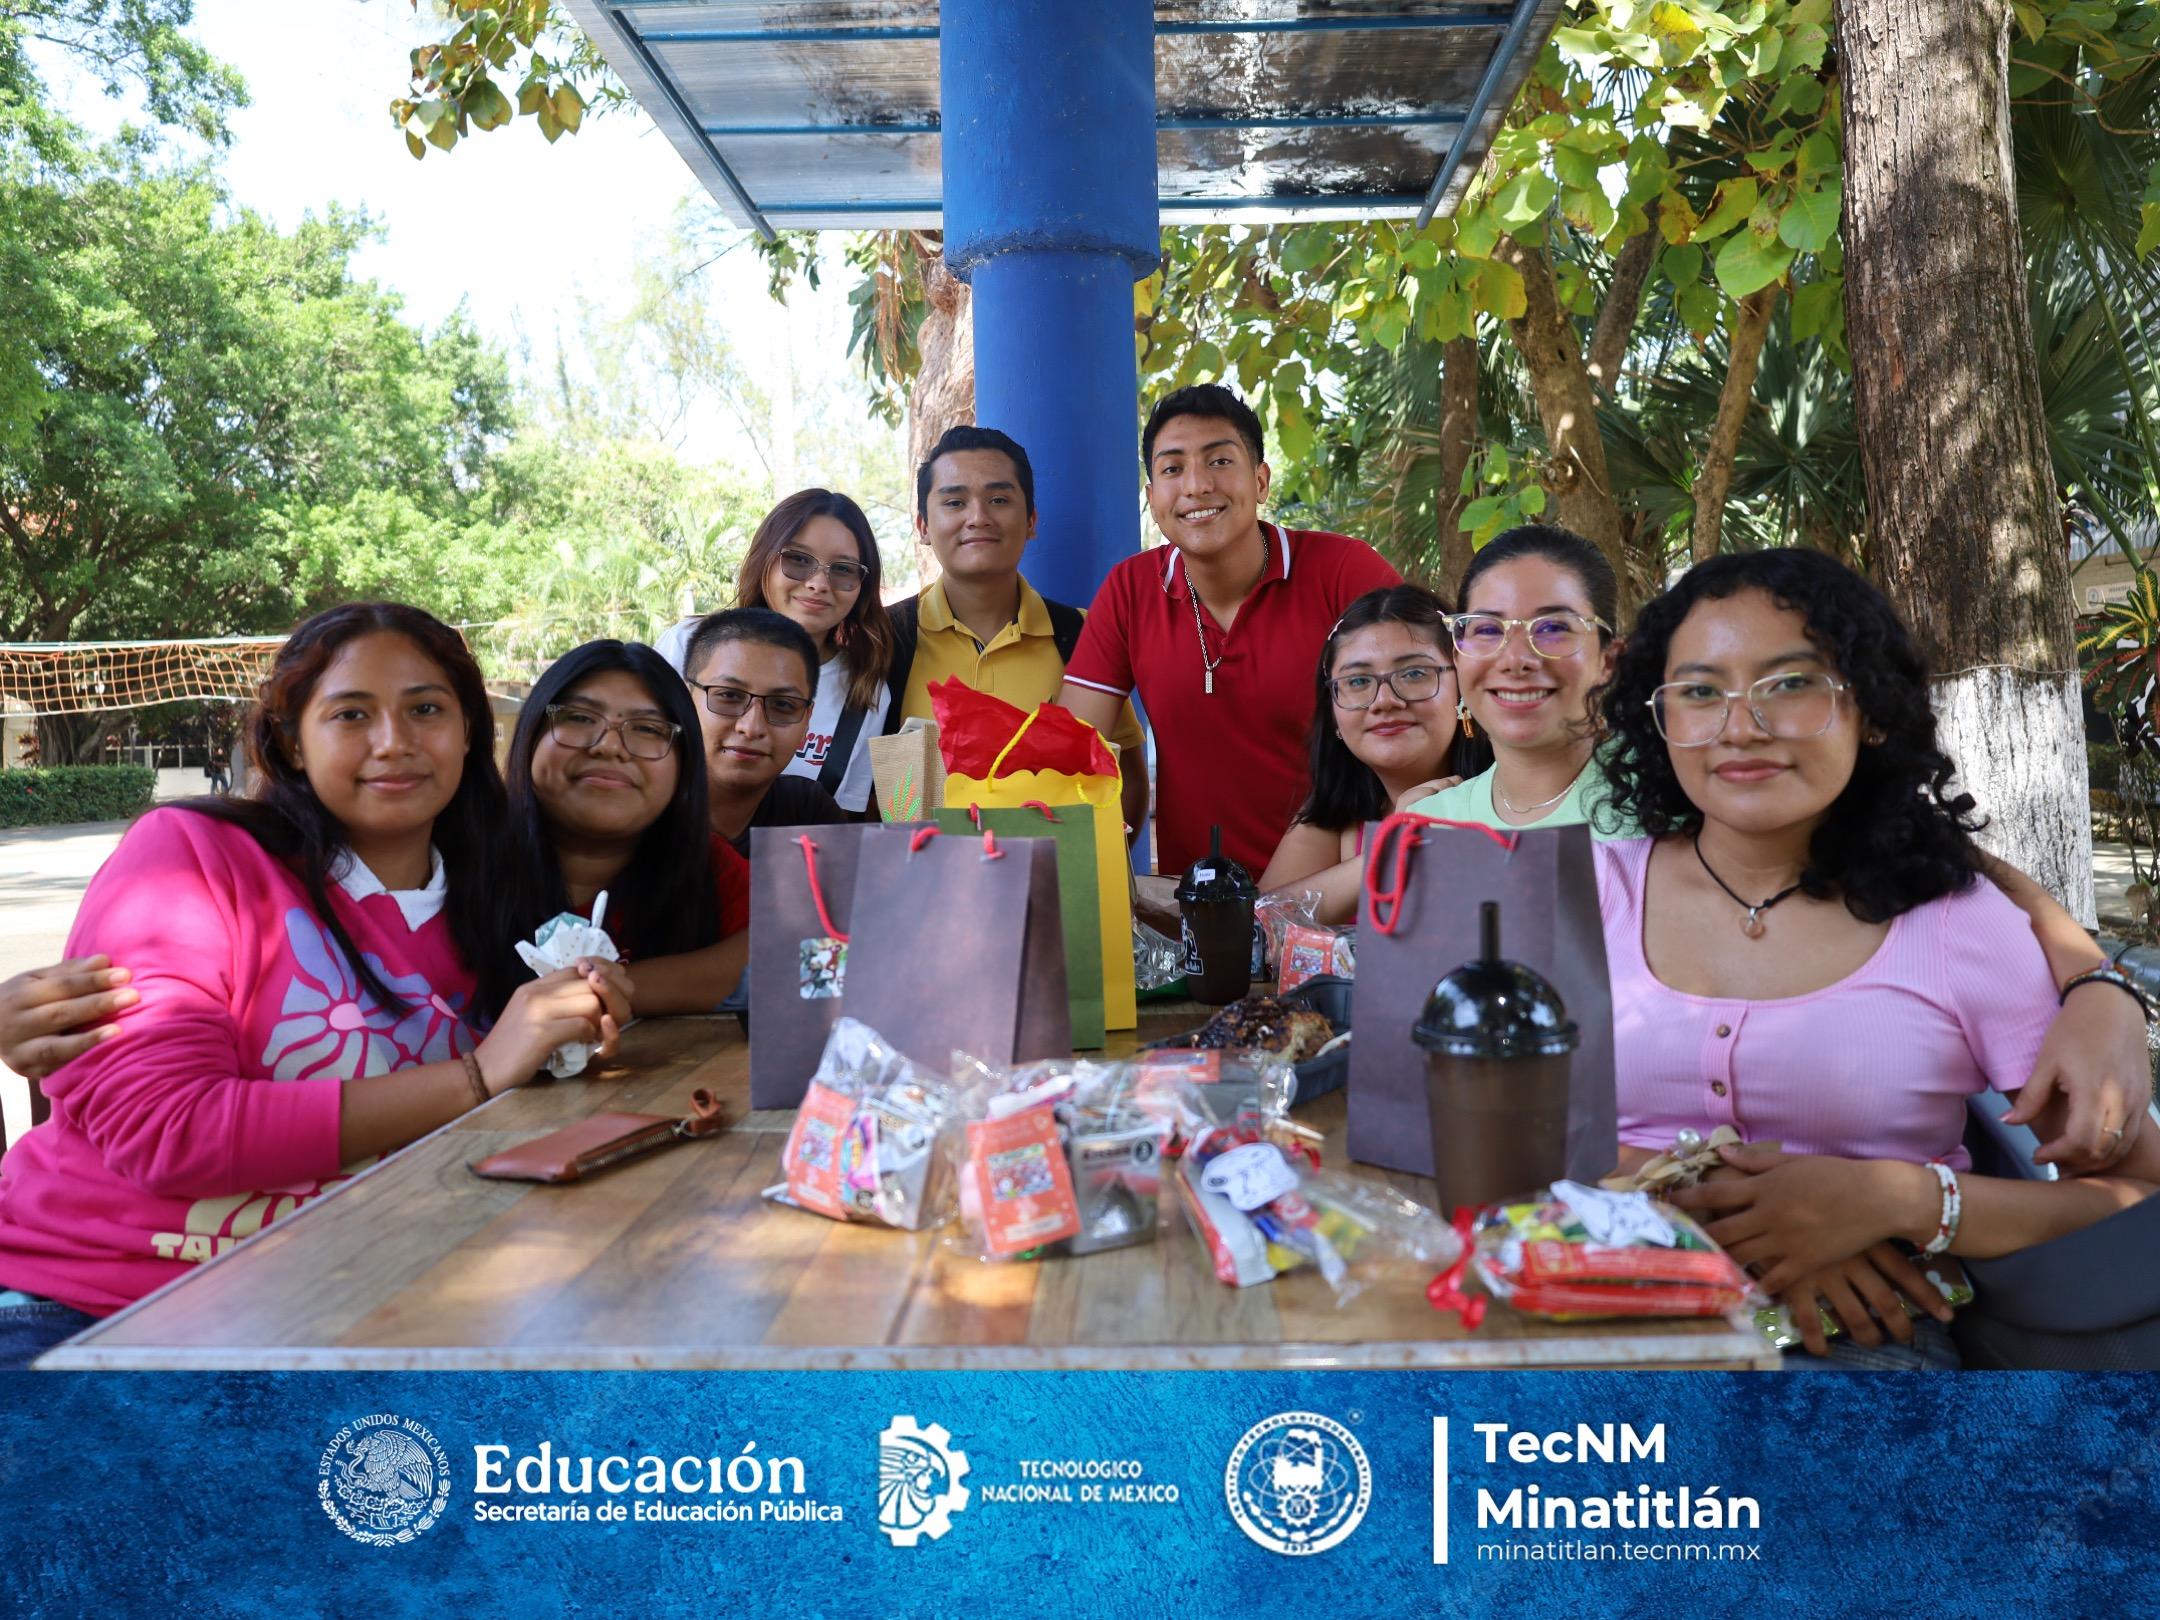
{"points": [[1752, 924], [1208, 665]]}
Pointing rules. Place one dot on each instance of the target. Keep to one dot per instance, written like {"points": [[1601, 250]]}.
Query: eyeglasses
{"points": [[1413, 683], [732, 703], [847, 577], [1551, 635], [1693, 714], [643, 737]]}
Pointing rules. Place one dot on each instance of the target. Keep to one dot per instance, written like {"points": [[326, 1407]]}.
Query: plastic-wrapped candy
{"points": [[1157, 958], [559, 943], [1063, 1155], [870, 1139], [1578, 1253]]}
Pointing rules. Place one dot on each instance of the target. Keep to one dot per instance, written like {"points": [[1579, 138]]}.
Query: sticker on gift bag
{"points": [[814, 1169], [1022, 1181], [824, 968]]}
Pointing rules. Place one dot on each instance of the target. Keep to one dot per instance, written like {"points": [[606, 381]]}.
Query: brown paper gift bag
{"points": [[802, 888], [1546, 885], [959, 946], [909, 772]]}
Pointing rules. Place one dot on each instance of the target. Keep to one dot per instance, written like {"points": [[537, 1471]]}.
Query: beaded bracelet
{"points": [[481, 1094], [1953, 1207], [2114, 975]]}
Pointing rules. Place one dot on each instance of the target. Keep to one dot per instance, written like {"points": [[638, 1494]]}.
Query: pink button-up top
{"points": [[1955, 1000]]}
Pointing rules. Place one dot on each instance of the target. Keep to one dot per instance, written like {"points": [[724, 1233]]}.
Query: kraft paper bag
{"points": [[1546, 886], [909, 772], [1072, 828], [960, 948]]}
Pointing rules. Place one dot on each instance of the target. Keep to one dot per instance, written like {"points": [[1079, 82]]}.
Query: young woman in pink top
{"points": [[1802, 947], [302, 965]]}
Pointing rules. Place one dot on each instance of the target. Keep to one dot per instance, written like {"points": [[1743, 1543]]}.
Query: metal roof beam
{"points": [[1440, 120], [1525, 13]]}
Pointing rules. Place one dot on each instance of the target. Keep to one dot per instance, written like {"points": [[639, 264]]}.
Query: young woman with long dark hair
{"points": [[1384, 735], [1802, 947], [303, 967], [814, 560]]}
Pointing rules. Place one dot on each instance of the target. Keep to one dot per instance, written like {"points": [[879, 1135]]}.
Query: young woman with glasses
{"points": [[1384, 734], [1802, 948], [815, 561]]}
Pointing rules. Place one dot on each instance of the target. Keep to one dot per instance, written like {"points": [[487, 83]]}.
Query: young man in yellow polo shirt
{"points": [[975, 508]]}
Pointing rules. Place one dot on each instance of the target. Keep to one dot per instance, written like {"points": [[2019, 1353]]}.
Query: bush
{"points": [[62, 793]]}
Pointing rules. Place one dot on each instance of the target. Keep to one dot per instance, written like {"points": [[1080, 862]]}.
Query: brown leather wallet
{"points": [[576, 1151]]}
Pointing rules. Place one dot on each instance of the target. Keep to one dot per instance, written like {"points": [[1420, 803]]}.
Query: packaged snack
{"points": [[1578, 1253], [1158, 960], [1274, 915], [558, 943], [1261, 1209], [869, 1140], [1061, 1154]]}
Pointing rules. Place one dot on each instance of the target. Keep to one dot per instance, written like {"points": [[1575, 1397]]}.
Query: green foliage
{"points": [[128, 45], [2118, 650], [55, 795], [457, 81]]}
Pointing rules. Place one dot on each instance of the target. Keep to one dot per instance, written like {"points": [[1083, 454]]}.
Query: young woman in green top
{"points": [[1533, 647]]}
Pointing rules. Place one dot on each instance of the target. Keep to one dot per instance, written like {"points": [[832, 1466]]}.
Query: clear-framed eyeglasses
{"points": [[1413, 683], [1791, 706], [643, 736], [1550, 635]]}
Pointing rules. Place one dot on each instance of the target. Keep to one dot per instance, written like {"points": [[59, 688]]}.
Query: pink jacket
{"points": [[217, 1111]]}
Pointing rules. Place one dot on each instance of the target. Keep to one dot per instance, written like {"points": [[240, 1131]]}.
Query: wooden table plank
{"points": [[678, 1260]]}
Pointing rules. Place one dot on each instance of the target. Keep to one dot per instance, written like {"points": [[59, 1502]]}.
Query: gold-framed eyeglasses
{"points": [[847, 577], [1550, 635], [732, 703], [1413, 683], [1791, 706], [643, 736]]}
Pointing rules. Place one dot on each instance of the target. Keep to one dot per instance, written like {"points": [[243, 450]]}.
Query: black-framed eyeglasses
{"points": [[847, 577], [1792, 706], [1551, 635], [732, 703], [643, 736], [1413, 683]]}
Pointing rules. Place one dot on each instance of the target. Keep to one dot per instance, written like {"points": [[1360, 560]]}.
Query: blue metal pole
{"points": [[1049, 157]]}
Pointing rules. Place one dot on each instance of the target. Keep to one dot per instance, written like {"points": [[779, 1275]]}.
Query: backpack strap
{"points": [[1066, 623], [842, 749], [907, 633]]}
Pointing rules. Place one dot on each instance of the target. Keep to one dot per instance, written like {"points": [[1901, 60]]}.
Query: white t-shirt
{"points": [[855, 787]]}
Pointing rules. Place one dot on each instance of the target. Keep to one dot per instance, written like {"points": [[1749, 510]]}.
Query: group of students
{"points": [[1805, 942]]}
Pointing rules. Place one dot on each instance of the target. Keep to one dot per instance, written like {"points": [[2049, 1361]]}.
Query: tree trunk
{"points": [[944, 392], [1713, 478], [1458, 441], [1623, 302], [1965, 531]]}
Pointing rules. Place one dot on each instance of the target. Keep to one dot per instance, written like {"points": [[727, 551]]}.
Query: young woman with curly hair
{"points": [[1802, 947]]}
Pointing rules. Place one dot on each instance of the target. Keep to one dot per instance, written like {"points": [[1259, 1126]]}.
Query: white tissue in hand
{"points": [[558, 944]]}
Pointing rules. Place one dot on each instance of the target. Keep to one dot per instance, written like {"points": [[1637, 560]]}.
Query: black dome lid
{"points": [[1215, 876], [1495, 1009]]}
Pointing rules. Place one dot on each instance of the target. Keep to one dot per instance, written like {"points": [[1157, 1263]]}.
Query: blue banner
{"points": [[1203, 1494]]}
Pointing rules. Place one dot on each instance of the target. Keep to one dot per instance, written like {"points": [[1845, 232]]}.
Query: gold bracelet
{"points": [[481, 1094]]}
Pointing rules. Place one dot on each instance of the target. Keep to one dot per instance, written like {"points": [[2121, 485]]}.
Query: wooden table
{"points": [[676, 1261]]}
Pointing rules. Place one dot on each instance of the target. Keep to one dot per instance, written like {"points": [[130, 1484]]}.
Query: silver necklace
{"points": [[1514, 809], [1208, 665]]}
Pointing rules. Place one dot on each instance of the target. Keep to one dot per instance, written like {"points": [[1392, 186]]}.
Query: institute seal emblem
{"points": [[383, 1479], [1298, 1483]]}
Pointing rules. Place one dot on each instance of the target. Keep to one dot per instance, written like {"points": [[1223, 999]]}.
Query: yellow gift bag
{"points": [[998, 756]]}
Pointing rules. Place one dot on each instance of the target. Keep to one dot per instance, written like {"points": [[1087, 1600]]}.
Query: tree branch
{"points": [[1713, 478], [1623, 302]]}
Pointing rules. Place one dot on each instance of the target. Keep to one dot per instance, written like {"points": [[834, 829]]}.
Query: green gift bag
{"points": [[1072, 826]]}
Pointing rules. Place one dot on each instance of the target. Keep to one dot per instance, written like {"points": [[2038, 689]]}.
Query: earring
{"points": [[1874, 739], [1462, 716]]}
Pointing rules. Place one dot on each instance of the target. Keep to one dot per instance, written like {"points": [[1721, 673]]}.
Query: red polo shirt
{"points": [[1237, 755]]}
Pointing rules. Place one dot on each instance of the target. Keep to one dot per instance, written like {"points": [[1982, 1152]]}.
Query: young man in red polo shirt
{"points": [[1219, 632]]}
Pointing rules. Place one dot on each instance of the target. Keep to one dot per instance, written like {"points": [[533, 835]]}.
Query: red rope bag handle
{"points": [[1387, 863], [817, 889]]}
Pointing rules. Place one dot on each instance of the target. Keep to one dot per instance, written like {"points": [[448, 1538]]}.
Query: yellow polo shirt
{"points": [[1019, 664]]}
